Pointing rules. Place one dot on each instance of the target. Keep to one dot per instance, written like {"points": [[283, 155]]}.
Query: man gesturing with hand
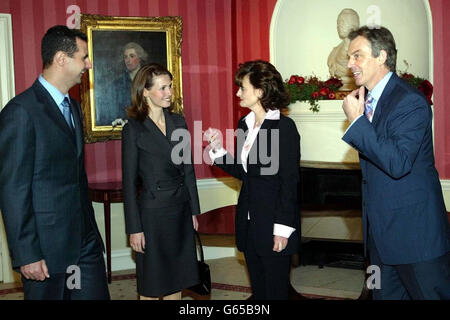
{"points": [[405, 225]]}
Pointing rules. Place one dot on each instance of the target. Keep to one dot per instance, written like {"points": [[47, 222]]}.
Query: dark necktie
{"points": [[67, 113]]}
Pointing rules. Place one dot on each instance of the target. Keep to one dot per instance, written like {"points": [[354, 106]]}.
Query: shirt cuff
{"points": [[282, 230], [218, 154], [352, 123]]}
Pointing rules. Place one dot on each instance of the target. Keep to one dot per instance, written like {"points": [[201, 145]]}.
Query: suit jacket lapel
{"points": [[52, 110], [268, 124], [78, 126], [384, 106], [163, 141], [266, 127], [170, 127], [158, 136]]}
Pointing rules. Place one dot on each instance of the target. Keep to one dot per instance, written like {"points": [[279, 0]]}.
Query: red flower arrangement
{"points": [[311, 89], [423, 85]]}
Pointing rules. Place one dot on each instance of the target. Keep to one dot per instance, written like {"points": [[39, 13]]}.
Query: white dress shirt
{"points": [[57, 95]]}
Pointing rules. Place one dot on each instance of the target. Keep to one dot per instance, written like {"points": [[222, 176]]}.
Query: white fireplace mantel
{"points": [[321, 132]]}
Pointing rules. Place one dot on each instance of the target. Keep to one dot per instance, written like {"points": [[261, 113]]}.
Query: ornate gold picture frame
{"points": [[117, 46]]}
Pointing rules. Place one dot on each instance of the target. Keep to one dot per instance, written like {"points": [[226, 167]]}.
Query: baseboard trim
{"points": [[218, 252], [217, 192], [213, 183], [445, 184], [122, 259]]}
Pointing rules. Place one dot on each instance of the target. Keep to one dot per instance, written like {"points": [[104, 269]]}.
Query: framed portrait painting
{"points": [[117, 48]]}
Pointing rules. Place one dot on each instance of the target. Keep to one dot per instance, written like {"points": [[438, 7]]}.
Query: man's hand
{"points": [[35, 271], [279, 243], [354, 107]]}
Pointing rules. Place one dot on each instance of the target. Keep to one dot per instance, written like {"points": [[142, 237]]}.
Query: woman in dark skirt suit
{"points": [[267, 160], [160, 196]]}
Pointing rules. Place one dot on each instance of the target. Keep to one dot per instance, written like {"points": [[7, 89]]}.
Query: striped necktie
{"points": [[368, 107], [67, 113]]}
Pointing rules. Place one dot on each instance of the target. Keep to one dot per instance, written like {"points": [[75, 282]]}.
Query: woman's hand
{"points": [[279, 243], [214, 137], [195, 222], [137, 242]]}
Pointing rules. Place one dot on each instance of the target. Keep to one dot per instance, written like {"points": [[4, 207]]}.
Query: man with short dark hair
{"points": [[50, 225], [405, 224]]}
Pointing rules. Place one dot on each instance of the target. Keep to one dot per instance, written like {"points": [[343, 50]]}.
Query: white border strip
{"points": [[7, 88], [7, 92], [273, 21], [215, 183], [445, 185]]}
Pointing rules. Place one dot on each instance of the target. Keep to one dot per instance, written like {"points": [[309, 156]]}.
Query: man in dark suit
{"points": [[52, 234], [404, 218]]}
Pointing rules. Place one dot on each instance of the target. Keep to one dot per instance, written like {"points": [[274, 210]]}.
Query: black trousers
{"points": [[269, 275], [426, 280], [93, 281]]}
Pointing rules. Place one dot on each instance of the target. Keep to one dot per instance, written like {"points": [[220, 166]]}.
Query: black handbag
{"points": [[204, 287]]}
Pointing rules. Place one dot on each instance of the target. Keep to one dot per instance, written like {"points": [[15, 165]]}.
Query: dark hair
{"points": [[379, 39], [144, 79], [264, 76], [59, 38]]}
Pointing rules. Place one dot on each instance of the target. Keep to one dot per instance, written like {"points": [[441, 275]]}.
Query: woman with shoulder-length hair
{"points": [[267, 161], [160, 195]]}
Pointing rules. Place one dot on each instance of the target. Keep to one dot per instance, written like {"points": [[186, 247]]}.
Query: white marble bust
{"points": [[347, 21]]}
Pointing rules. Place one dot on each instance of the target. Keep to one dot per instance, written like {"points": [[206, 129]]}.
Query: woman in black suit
{"points": [[267, 161], [160, 196]]}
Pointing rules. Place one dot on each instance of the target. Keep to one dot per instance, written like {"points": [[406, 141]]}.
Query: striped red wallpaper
{"points": [[206, 60], [252, 23], [217, 35], [208, 57]]}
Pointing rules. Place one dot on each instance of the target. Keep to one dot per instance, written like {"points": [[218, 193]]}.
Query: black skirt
{"points": [[169, 263]]}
